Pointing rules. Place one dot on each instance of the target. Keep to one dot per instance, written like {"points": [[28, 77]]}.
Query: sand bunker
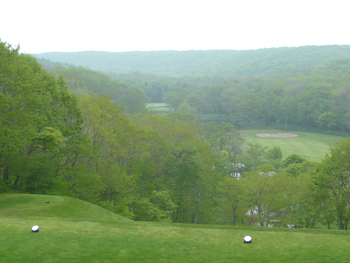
{"points": [[277, 135]]}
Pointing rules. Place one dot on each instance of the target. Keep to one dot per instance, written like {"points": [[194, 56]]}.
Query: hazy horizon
{"points": [[187, 49], [40, 26]]}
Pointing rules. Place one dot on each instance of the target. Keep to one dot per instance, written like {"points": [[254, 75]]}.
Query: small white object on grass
{"points": [[247, 239], [35, 228]]}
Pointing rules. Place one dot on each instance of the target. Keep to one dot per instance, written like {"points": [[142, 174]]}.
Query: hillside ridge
{"points": [[197, 63]]}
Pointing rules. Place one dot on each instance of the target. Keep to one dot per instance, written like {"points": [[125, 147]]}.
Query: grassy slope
{"points": [[311, 146], [35, 206], [75, 231]]}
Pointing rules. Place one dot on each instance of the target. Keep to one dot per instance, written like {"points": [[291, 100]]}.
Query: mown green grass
{"points": [[309, 145], [155, 105], [80, 232], [28, 206], [158, 107]]}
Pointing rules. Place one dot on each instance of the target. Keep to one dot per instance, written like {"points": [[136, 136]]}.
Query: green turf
{"points": [[311, 146], [155, 105], [75, 231], [158, 107], [18, 205]]}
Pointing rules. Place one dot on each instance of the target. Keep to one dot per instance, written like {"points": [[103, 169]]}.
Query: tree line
{"points": [[317, 98], [151, 167]]}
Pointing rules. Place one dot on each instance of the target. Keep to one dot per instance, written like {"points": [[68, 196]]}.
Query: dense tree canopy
{"points": [[82, 81], [38, 116]]}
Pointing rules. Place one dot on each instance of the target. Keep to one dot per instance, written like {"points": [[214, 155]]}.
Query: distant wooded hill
{"points": [[304, 86], [220, 63]]}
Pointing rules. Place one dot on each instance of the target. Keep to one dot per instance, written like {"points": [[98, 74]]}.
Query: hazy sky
{"points": [[76, 25]]}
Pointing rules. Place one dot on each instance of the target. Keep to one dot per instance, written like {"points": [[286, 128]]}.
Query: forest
{"points": [[70, 130], [306, 87]]}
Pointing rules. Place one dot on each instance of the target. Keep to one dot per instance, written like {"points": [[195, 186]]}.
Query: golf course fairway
{"points": [[72, 230], [309, 145]]}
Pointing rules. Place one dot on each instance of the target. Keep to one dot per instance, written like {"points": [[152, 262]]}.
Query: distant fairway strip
{"points": [[311, 146], [277, 135]]}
